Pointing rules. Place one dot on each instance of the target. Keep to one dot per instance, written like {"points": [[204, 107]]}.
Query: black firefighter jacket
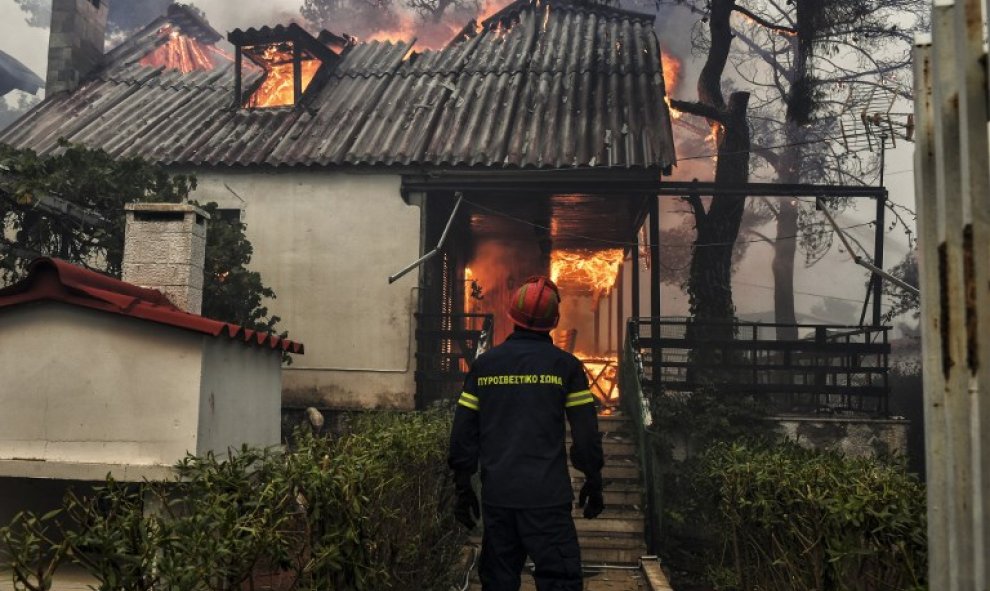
{"points": [[510, 418]]}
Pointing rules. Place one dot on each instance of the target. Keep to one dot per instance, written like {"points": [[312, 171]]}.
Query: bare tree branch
{"points": [[788, 31], [699, 109]]}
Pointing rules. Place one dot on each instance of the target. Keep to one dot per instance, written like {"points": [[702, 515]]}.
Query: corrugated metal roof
{"points": [[539, 85], [56, 280]]}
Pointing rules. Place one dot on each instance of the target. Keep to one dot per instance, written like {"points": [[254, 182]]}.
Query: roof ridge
{"points": [[586, 6], [52, 279]]}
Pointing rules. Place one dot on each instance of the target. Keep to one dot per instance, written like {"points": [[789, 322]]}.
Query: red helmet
{"points": [[536, 305]]}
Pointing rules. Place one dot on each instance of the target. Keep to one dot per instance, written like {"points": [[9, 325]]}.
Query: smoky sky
{"points": [[128, 15], [24, 35]]}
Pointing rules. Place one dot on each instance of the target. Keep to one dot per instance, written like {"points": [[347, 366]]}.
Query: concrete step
{"points": [[622, 498], [616, 470], [603, 532], [605, 547], [617, 492], [611, 512], [613, 422], [618, 426], [617, 448], [612, 555], [605, 524], [612, 580], [611, 540]]}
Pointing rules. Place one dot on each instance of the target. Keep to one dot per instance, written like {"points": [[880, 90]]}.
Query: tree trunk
{"points": [[784, 255], [710, 282], [785, 247], [799, 110]]}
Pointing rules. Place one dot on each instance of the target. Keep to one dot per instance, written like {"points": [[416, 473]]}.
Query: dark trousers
{"points": [[547, 535]]}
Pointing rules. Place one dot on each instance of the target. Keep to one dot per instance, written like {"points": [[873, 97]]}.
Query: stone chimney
{"points": [[75, 47], [165, 249]]}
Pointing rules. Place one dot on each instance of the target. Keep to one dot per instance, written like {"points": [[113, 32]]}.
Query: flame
{"points": [[603, 377], [183, 53], [490, 7], [594, 270], [713, 139], [671, 67], [278, 87], [469, 282], [405, 31]]}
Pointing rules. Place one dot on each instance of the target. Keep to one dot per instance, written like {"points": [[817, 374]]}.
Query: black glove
{"points": [[466, 510], [591, 498]]}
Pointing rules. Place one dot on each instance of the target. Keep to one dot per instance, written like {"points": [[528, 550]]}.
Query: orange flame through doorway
{"points": [[591, 270], [594, 272]]}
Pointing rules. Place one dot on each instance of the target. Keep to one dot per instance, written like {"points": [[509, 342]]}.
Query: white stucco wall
{"points": [[240, 401], [86, 387], [326, 242]]}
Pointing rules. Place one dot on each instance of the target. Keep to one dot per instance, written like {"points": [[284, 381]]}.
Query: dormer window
{"points": [[282, 64]]}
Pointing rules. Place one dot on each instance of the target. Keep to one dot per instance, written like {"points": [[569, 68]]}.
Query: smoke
{"points": [[432, 22], [225, 16]]}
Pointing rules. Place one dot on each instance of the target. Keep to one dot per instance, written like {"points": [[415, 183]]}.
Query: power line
{"points": [[806, 293], [623, 243], [820, 140]]}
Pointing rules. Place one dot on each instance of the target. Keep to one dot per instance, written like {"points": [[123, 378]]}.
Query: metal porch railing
{"points": [[446, 345], [827, 369]]}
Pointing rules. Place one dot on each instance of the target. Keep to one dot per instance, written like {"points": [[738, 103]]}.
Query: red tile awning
{"points": [[55, 280]]}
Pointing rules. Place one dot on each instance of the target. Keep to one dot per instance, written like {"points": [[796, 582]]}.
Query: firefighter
{"points": [[510, 419]]}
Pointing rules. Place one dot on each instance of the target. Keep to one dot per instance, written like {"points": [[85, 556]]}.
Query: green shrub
{"points": [[30, 547], [365, 511], [377, 503], [796, 519]]}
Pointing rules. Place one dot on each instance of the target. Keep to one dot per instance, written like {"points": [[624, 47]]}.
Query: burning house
{"points": [[528, 145]]}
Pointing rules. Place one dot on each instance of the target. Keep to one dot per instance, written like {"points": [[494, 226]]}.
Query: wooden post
{"points": [[610, 319], [876, 281], [297, 88], [238, 77], [597, 349], [655, 287], [635, 276], [620, 317], [655, 256], [952, 296]]}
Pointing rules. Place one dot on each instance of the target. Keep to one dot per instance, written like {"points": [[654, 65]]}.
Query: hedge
{"points": [[368, 510], [788, 518]]}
